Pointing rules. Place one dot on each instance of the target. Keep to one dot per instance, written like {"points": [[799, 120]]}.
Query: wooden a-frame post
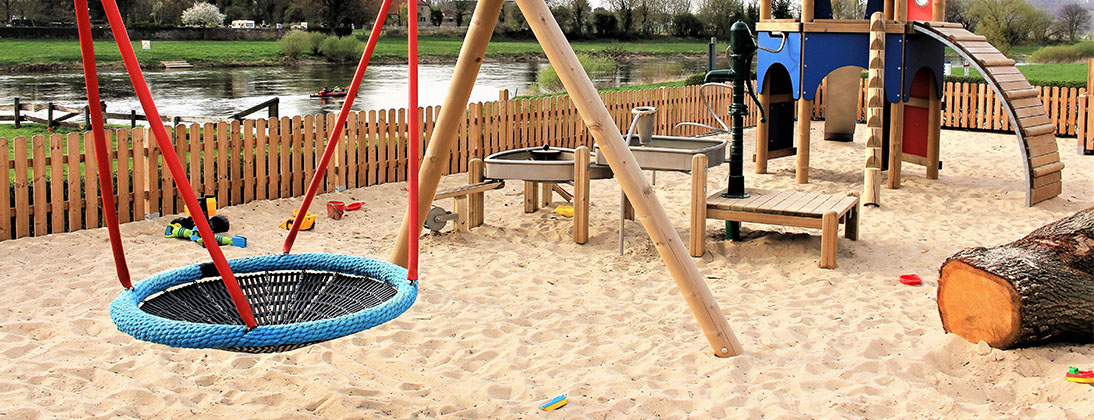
{"points": [[604, 131]]}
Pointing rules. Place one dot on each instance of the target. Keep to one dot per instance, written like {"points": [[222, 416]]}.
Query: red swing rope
{"points": [[415, 140], [336, 132], [343, 114], [140, 87], [110, 213]]}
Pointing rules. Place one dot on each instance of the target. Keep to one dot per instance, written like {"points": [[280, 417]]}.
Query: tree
{"points": [[687, 25], [1009, 22], [677, 7], [957, 11], [605, 23], [436, 16], [579, 16], [720, 15], [848, 9], [202, 15], [461, 8], [624, 10], [780, 9], [1074, 21]]}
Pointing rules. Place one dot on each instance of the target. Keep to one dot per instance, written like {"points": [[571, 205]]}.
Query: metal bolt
{"points": [[725, 350]]}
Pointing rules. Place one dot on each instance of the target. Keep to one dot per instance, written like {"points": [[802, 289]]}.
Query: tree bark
{"points": [[1037, 289]]}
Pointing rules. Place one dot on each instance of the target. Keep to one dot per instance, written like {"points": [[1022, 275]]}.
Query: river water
{"points": [[224, 91]]}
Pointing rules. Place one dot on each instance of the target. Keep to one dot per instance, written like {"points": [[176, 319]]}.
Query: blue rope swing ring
{"points": [[298, 300]]}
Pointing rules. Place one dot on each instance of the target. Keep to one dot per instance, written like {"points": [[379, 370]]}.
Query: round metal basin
{"points": [[521, 164], [671, 153]]}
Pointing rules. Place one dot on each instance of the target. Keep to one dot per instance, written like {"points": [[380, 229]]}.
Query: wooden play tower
{"points": [[903, 49]]}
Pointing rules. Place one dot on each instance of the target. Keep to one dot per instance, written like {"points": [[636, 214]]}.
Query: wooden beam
{"points": [[630, 177]]}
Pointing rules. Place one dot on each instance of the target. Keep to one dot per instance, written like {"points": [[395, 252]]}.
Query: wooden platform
{"points": [[808, 210], [176, 65]]}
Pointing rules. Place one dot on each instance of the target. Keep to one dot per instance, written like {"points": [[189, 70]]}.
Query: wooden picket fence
{"points": [[56, 189], [53, 184]]}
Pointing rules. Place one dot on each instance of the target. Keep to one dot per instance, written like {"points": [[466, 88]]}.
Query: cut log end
{"points": [[978, 305]]}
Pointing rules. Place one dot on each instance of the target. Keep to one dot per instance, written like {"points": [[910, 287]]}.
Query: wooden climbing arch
{"points": [[1036, 133]]}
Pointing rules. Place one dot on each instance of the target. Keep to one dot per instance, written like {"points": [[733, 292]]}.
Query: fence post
{"points": [[49, 115], [17, 116], [711, 54], [132, 118], [102, 104], [1086, 140], [273, 108], [87, 117]]}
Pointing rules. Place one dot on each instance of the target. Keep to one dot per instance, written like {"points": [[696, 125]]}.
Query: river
{"points": [[221, 92]]}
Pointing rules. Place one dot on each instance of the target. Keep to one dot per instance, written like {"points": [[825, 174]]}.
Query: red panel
{"points": [[915, 130], [917, 12], [916, 118]]}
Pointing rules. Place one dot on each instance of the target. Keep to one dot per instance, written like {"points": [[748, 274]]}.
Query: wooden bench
{"points": [[808, 210]]}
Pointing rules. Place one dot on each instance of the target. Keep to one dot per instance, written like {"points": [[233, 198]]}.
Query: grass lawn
{"points": [[17, 51]]}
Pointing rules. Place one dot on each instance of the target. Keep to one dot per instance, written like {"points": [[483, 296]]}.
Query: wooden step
{"points": [[1021, 93], [966, 37], [1048, 169], [1037, 130], [998, 62], [1046, 192], [1041, 145], [1038, 161], [1047, 179]]}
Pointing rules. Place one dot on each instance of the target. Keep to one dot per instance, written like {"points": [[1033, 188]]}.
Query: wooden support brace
{"points": [[531, 199], [581, 195], [697, 238]]}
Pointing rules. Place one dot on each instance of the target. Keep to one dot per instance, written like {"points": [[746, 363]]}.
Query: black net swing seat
{"points": [[298, 300]]}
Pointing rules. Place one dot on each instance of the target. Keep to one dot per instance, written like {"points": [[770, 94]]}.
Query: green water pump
{"points": [[740, 52]]}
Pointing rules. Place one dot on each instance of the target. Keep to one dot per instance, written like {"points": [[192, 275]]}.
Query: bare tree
{"points": [[848, 9], [580, 10], [624, 9], [1073, 21], [676, 7]]}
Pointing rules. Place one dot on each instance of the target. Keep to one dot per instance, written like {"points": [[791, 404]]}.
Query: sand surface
{"points": [[513, 313]]}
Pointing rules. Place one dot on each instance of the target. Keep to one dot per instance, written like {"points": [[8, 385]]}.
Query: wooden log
{"points": [[1030, 291]]}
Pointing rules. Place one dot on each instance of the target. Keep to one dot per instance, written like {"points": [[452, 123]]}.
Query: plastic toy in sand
{"points": [[307, 224], [910, 279], [1080, 376], [178, 231], [554, 404], [337, 209], [566, 211]]}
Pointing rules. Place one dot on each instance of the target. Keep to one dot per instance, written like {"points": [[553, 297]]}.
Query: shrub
{"points": [[1064, 53], [597, 68], [202, 15], [695, 79], [293, 44], [339, 49], [314, 39]]}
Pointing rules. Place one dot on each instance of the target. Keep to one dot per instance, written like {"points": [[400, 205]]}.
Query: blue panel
{"points": [[789, 57], [893, 59], [825, 52], [923, 51], [822, 9]]}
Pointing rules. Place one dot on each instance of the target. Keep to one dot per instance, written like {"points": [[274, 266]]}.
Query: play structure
{"points": [[623, 164], [1037, 289], [256, 304], [902, 47]]}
